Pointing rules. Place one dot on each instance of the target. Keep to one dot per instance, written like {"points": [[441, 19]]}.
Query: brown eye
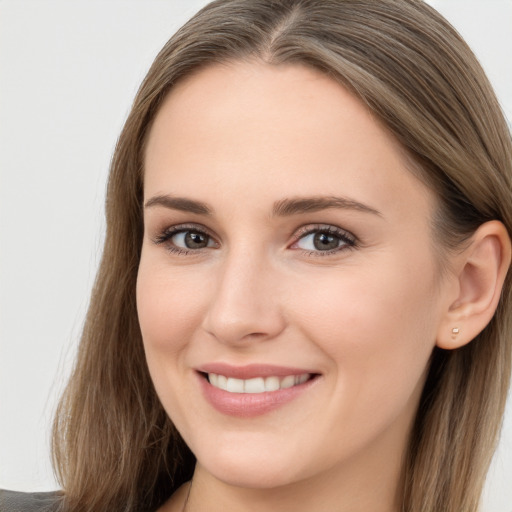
{"points": [[194, 240], [181, 239], [190, 239], [326, 240]]}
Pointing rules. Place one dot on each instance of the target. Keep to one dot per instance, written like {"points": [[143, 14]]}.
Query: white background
{"points": [[68, 72]]}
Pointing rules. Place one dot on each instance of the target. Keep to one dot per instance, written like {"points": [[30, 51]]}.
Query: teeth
{"points": [[256, 385], [222, 382], [302, 378], [288, 382], [235, 385], [271, 383]]}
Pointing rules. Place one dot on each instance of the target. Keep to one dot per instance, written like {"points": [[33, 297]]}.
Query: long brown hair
{"points": [[114, 446]]}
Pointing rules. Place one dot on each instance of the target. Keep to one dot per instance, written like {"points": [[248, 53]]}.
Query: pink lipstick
{"points": [[252, 390]]}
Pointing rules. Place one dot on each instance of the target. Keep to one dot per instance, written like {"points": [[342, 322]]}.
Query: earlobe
{"points": [[481, 272]]}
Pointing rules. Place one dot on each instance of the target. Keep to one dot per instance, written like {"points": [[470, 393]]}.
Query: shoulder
{"points": [[13, 501]]}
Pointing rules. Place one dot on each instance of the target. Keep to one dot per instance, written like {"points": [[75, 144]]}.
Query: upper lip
{"points": [[251, 371]]}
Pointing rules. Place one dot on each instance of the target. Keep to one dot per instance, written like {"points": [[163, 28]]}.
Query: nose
{"points": [[245, 301]]}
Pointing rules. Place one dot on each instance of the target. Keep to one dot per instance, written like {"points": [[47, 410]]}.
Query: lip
{"points": [[249, 405], [251, 371]]}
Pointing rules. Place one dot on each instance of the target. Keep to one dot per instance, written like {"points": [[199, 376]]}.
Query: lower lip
{"points": [[249, 405]]}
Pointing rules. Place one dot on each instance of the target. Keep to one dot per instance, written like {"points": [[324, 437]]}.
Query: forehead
{"points": [[248, 127]]}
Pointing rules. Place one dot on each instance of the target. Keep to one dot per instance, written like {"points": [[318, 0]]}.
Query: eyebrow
{"points": [[297, 205], [282, 208], [179, 203]]}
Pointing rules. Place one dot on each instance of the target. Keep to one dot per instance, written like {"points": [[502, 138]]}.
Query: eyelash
{"points": [[167, 234], [347, 239]]}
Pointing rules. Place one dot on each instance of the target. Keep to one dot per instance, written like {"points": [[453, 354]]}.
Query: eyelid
{"points": [[329, 228]]}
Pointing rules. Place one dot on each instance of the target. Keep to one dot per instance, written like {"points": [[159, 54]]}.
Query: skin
{"points": [[241, 137]]}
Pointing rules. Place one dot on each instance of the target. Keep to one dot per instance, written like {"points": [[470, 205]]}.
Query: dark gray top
{"points": [[13, 501]]}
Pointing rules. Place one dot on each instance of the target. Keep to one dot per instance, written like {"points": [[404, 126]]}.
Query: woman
{"points": [[304, 296]]}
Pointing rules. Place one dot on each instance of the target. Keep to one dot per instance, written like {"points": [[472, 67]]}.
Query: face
{"points": [[288, 293]]}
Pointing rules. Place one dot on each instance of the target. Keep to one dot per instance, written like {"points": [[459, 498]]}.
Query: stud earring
{"points": [[455, 331]]}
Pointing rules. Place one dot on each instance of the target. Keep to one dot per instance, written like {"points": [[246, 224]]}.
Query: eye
{"points": [[191, 240], [324, 239], [182, 239]]}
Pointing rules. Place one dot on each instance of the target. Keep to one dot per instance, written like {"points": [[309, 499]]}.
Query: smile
{"points": [[257, 384], [253, 390]]}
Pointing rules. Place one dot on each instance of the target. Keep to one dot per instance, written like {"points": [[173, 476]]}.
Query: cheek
{"points": [[168, 308], [365, 307], [378, 328]]}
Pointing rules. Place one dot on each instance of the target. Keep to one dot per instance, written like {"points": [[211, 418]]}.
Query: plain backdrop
{"points": [[68, 72]]}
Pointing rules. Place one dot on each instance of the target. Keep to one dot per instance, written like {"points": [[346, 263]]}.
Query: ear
{"points": [[480, 272]]}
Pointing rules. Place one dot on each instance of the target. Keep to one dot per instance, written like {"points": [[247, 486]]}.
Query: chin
{"points": [[254, 467], [250, 476]]}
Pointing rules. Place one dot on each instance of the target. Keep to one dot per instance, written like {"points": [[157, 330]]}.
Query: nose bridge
{"points": [[245, 301]]}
